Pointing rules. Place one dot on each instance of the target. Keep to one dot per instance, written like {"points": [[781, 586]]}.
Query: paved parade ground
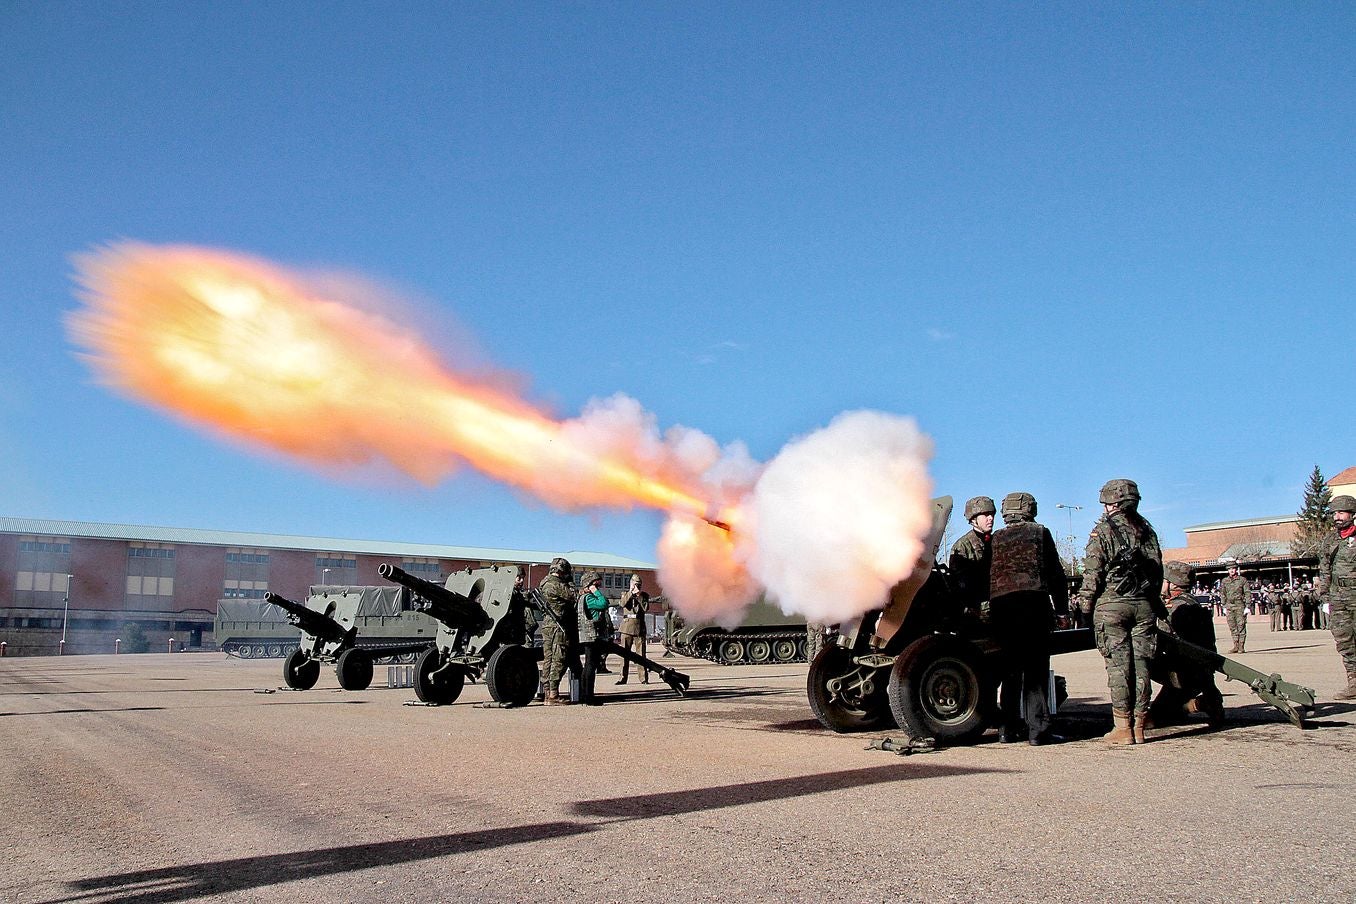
{"points": [[160, 778]]}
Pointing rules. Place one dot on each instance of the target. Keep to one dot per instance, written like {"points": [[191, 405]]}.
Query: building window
{"points": [[150, 575], [428, 569], [246, 569], [336, 569], [42, 572]]}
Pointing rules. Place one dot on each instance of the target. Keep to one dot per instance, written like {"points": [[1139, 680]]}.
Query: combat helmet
{"points": [[1020, 505], [1178, 574], [1343, 503], [1119, 491], [589, 577], [979, 505], [561, 568]]}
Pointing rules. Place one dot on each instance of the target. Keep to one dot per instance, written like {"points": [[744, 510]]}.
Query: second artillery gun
{"points": [[329, 621], [481, 632], [928, 666]]}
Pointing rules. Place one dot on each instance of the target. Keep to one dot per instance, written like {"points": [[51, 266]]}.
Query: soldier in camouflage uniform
{"points": [[557, 632], [1025, 579], [972, 553], [1337, 585], [1234, 590], [1122, 577], [1188, 688]]}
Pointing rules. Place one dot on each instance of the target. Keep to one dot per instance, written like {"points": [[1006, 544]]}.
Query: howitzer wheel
{"points": [[759, 651], [939, 688], [442, 688], [731, 651], [511, 675], [354, 669], [300, 672], [845, 696], [784, 650]]}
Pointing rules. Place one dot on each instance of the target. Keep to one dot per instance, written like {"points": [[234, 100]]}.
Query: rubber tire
{"points": [[784, 650], [760, 651], [353, 668], [511, 675], [443, 691], [245, 651], [932, 664], [832, 662], [300, 672], [728, 647]]}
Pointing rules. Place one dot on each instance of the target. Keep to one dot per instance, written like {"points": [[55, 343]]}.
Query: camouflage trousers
{"points": [[1125, 635], [1342, 622], [1238, 625], [554, 647]]}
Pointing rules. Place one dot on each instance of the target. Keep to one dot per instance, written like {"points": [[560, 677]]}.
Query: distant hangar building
{"points": [[87, 582]]}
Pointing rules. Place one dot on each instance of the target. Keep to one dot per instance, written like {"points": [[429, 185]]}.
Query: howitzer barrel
{"points": [[312, 622], [448, 606]]}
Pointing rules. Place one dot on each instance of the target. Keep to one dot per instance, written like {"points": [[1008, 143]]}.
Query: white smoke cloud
{"points": [[834, 521]]}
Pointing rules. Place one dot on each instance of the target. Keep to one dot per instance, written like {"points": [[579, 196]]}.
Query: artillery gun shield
{"points": [[940, 688]]}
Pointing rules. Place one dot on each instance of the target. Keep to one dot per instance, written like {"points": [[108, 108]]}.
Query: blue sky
{"points": [[1074, 241]]}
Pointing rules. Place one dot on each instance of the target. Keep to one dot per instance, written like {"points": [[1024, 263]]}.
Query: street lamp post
{"points": [[66, 610], [325, 576], [1073, 541]]}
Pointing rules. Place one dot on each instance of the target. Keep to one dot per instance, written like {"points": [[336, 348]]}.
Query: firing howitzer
{"points": [[329, 633]]}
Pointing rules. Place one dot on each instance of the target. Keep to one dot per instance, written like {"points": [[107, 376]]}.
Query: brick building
{"points": [[89, 581]]}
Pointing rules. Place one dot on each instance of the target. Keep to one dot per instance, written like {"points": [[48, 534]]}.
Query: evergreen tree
{"points": [[134, 638], [1315, 518]]}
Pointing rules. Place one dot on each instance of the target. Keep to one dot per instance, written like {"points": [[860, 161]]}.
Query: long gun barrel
{"points": [[312, 622], [447, 606]]}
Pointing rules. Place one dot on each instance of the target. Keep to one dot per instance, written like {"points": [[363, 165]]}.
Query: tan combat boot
{"points": [[553, 698], [1350, 692], [1121, 734], [1141, 723]]}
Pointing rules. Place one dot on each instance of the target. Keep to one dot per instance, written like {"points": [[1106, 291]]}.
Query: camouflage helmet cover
{"points": [[590, 577], [1019, 503], [979, 505], [1178, 573], [1119, 490], [560, 567], [1343, 503]]}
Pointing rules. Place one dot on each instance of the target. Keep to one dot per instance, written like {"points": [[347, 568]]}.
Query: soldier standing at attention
{"points": [[1337, 586], [972, 553], [1122, 578], [1234, 590], [1026, 577], [556, 636]]}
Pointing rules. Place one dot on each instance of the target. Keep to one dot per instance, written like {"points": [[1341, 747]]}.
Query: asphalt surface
{"points": [[159, 778]]}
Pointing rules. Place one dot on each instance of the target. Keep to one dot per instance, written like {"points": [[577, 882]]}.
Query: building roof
{"points": [[191, 535], [1250, 522], [1261, 549], [1346, 478]]}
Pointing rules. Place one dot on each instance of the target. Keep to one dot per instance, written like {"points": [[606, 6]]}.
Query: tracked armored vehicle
{"points": [[927, 665], [257, 629], [767, 635]]}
